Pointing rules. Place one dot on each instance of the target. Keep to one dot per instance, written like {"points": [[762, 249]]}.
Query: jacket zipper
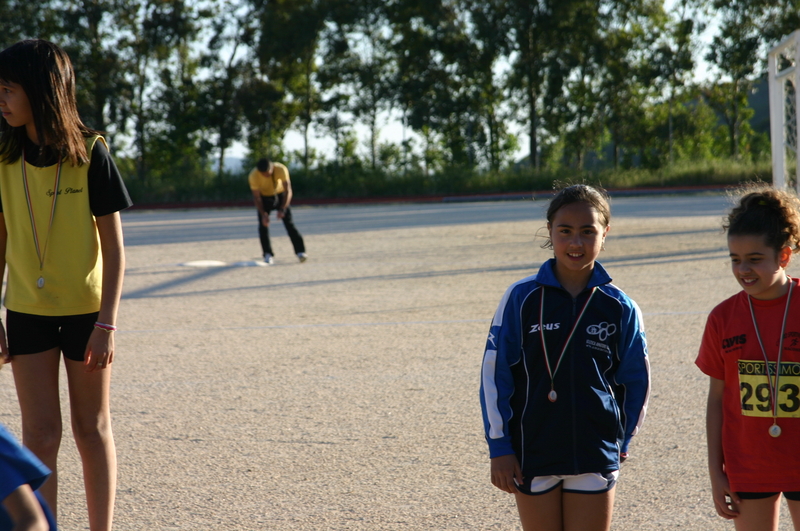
{"points": [[572, 389]]}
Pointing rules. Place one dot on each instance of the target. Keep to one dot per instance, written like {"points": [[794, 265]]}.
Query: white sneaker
{"points": [[268, 259], [302, 257]]}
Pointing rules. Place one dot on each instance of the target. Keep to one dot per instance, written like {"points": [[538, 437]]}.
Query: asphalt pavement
{"points": [[342, 393]]}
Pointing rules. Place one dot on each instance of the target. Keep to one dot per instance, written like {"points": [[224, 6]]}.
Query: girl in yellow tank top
{"points": [[62, 244]]}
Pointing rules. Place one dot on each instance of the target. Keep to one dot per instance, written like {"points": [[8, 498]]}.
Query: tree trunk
{"points": [[493, 148], [533, 118], [140, 124], [338, 151], [307, 118], [405, 143], [228, 91], [670, 129], [305, 144], [533, 89], [221, 164], [373, 138]]}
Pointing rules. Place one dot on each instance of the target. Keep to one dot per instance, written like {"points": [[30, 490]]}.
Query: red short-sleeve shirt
{"points": [[754, 460]]}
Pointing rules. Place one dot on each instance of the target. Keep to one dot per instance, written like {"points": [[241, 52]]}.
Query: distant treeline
{"points": [[176, 82]]}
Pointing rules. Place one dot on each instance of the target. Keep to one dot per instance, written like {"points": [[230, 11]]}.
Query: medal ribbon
{"points": [[551, 372], [773, 385], [40, 252]]}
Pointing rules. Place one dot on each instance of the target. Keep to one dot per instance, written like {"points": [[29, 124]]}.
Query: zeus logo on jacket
{"points": [[548, 326]]}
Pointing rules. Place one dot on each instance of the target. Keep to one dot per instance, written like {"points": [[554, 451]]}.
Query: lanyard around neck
{"points": [[39, 251], [552, 395], [773, 383]]}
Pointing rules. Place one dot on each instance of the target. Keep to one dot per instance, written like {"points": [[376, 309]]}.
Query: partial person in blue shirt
{"points": [[21, 474], [565, 378]]}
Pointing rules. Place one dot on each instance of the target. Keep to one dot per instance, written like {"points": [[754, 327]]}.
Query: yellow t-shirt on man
{"points": [[269, 185]]}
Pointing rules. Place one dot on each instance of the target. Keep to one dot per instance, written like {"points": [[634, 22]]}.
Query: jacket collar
{"points": [[547, 275]]}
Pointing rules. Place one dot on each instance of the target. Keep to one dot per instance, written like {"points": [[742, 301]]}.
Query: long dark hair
{"points": [[45, 73]]}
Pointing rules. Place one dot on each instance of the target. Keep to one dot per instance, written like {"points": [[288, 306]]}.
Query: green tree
{"points": [[534, 30], [692, 128], [177, 141], [735, 51], [287, 49], [673, 60], [489, 30], [88, 33], [267, 113], [781, 18], [579, 73], [356, 68], [24, 19], [147, 31], [429, 42], [233, 34]]}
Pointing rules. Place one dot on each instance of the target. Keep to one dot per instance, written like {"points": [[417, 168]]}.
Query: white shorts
{"points": [[595, 483]]}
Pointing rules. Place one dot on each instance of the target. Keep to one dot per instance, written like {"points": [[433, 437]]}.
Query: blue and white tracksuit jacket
{"points": [[603, 381]]}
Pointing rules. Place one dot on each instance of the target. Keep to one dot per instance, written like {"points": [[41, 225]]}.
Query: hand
{"points": [[280, 214], [506, 473], [99, 351], [265, 219], [720, 489]]}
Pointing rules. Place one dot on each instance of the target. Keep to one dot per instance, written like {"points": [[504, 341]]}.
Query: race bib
{"points": [[755, 393]]}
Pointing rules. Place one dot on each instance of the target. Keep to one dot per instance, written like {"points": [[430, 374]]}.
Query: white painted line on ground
{"points": [[250, 263], [204, 263], [217, 263]]}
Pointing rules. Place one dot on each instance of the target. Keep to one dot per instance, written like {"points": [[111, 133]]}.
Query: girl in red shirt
{"points": [[751, 352]]}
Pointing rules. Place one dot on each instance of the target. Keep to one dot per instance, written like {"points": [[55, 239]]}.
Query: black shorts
{"points": [[31, 334], [794, 496]]}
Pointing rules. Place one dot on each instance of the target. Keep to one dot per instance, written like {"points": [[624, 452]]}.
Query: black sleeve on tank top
{"points": [[107, 192]]}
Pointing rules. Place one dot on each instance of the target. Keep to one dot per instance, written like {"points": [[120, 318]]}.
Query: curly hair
{"points": [[578, 193], [765, 211]]}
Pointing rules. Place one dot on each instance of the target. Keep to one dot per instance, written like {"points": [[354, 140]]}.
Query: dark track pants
{"points": [[271, 203]]}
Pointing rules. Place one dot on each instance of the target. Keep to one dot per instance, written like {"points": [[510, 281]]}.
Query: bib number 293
{"points": [[754, 389]]}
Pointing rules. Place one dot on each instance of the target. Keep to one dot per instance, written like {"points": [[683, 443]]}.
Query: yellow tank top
{"points": [[73, 265]]}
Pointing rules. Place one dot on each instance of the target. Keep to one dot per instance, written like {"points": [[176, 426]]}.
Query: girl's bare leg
{"points": [[36, 380], [91, 425], [588, 512], [758, 515], [541, 512]]}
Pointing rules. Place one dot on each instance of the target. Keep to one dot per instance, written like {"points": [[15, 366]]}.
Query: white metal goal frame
{"points": [[784, 110]]}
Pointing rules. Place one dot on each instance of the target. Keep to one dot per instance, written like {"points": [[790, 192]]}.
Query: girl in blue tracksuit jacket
{"points": [[565, 378]]}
